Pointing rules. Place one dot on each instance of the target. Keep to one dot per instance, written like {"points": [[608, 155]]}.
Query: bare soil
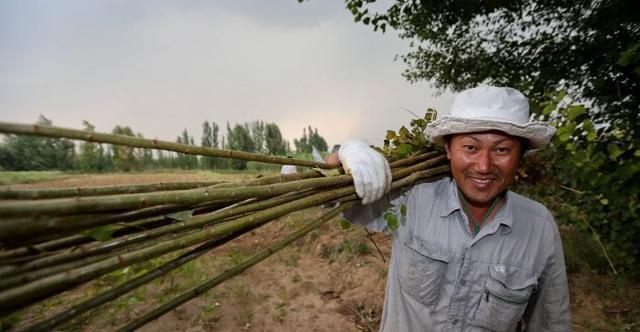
{"points": [[331, 280]]}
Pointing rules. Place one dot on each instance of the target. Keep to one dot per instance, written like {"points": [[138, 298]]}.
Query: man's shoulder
{"points": [[530, 209], [437, 188]]}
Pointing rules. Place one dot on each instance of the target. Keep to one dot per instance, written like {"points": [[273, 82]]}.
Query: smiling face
{"points": [[483, 164]]}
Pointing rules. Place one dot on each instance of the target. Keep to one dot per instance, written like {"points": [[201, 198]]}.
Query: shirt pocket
{"points": [[506, 293], [421, 267]]}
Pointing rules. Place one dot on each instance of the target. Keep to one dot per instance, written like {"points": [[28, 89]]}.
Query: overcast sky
{"points": [[162, 66]]}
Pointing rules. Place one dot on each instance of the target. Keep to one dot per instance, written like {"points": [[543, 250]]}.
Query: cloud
{"points": [[163, 66]]}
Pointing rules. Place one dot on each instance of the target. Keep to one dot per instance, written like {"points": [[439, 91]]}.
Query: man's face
{"points": [[483, 164]]}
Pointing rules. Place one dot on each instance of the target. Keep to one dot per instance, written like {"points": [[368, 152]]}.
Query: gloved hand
{"points": [[369, 169]]}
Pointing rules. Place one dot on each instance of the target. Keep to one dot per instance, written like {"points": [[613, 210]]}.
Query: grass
{"points": [[347, 250], [10, 321], [7, 178], [279, 312], [289, 258], [612, 302]]}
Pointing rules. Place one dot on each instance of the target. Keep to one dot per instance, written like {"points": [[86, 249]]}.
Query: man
{"points": [[470, 255]]}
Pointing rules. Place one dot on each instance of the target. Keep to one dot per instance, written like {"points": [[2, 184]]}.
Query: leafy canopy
{"points": [[579, 64], [589, 48]]}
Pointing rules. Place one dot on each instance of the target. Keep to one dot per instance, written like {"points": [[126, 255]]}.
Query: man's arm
{"points": [[550, 310], [370, 214]]}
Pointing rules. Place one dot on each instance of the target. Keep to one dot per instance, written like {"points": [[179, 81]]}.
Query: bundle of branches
{"points": [[52, 240]]}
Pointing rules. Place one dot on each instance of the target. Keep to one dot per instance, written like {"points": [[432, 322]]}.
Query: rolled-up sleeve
{"points": [[551, 309], [371, 215]]}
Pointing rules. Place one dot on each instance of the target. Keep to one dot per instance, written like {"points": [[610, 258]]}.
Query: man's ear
{"points": [[446, 148]]}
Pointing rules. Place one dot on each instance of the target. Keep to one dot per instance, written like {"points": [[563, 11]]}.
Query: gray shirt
{"points": [[441, 278]]}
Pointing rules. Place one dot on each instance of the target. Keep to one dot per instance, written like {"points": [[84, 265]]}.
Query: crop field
{"points": [[333, 279]]}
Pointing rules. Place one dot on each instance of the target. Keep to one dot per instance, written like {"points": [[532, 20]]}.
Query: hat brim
{"points": [[537, 133]]}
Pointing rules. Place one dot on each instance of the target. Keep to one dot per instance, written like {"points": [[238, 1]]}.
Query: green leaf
{"points": [[392, 221], [119, 273], [604, 201], [569, 146], [133, 300], [403, 210], [404, 150], [591, 136], [548, 109], [420, 123], [561, 95], [180, 216], [614, 151], [565, 132], [390, 135], [404, 132], [628, 55], [564, 136], [344, 224], [575, 111], [101, 233]]}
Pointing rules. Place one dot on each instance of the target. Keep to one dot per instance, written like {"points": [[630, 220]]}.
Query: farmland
{"points": [[331, 280]]}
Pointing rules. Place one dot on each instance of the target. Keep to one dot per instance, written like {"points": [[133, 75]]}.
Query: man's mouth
{"points": [[482, 181]]}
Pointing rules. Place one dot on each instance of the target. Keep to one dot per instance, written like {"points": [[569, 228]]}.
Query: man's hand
{"points": [[369, 169]]}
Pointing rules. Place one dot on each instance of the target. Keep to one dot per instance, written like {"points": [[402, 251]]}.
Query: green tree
{"points": [[590, 48], [258, 136], [183, 160], [144, 157], [210, 139], [214, 134], [29, 153], [239, 138], [207, 141], [303, 145], [318, 141], [91, 158], [588, 176], [274, 143], [123, 157]]}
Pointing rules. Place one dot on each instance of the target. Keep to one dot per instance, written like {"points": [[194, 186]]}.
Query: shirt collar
{"points": [[451, 200], [452, 203]]}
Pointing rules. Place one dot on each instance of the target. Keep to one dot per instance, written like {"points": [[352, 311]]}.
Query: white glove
{"points": [[369, 169]]}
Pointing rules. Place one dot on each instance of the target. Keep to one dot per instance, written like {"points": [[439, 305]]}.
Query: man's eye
{"points": [[469, 147], [503, 150]]}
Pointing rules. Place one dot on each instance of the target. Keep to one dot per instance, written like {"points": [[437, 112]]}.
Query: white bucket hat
{"points": [[487, 108]]}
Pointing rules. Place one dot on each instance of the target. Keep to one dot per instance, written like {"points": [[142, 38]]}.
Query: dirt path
{"points": [[331, 280]]}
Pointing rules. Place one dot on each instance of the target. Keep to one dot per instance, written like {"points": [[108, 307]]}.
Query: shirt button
{"points": [[463, 283]]}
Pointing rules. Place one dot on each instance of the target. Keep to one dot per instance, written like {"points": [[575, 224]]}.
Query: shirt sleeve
{"points": [[550, 310], [371, 215]]}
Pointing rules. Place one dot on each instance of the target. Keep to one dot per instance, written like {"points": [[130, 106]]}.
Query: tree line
{"points": [[27, 153]]}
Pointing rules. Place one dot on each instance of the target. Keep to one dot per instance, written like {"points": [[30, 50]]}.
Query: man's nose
{"points": [[483, 162]]}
